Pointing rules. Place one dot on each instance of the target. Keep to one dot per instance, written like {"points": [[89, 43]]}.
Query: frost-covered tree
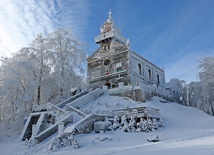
{"points": [[179, 90], [194, 94], [207, 80], [43, 72], [198, 94], [38, 58], [17, 91], [67, 57], [40, 52]]}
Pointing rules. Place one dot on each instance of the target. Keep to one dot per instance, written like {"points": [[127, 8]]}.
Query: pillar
{"points": [[60, 128], [34, 132]]}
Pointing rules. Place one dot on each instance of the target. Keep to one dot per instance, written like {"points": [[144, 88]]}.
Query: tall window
{"points": [[150, 74], [139, 69], [158, 79], [119, 66]]}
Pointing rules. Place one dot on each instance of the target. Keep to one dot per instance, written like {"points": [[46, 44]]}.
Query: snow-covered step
{"points": [[69, 100], [85, 125], [82, 101], [79, 112]]}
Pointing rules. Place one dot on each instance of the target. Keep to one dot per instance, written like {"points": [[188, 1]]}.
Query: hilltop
{"points": [[186, 130]]}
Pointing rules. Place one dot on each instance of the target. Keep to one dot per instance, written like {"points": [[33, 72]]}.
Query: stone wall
{"points": [[135, 94], [99, 74]]}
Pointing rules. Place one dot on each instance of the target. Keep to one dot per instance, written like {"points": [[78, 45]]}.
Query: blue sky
{"points": [[173, 34]]}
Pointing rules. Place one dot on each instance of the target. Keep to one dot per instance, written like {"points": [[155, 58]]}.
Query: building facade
{"points": [[114, 62]]}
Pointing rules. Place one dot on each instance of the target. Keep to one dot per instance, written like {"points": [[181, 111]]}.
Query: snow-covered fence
{"points": [[62, 104], [150, 112], [82, 101], [137, 112]]}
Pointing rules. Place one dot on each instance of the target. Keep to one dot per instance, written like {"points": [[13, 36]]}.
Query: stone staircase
{"points": [[49, 116]]}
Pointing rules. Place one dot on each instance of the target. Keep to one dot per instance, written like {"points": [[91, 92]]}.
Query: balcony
{"points": [[114, 33]]}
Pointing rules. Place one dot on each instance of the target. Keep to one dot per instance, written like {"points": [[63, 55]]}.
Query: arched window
{"points": [[150, 74], [158, 79], [139, 69]]}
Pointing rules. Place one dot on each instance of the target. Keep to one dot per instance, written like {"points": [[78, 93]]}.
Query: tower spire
{"points": [[109, 13], [109, 16]]}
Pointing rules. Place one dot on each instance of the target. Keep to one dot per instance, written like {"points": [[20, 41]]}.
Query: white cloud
{"points": [[21, 20]]}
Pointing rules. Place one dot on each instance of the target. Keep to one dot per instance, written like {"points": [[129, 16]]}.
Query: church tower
{"points": [[106, 66]]}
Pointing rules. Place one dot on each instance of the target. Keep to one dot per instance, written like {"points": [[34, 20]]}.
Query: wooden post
{"points": [[34, 132], [60, 128]]}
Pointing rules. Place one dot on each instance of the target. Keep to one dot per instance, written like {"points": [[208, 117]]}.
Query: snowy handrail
{"points": [[138, 111]]}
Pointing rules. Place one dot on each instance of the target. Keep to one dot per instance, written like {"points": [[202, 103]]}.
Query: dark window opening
{"points": [[108, 84], [150, 74], [108, 46], [104, 47], [139, 68], [158, 79]]}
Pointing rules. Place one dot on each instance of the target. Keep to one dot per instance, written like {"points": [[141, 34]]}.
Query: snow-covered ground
{"points": [[187, 131]]}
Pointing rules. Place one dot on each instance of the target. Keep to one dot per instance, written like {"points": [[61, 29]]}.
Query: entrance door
{"points": [[108, 85]]}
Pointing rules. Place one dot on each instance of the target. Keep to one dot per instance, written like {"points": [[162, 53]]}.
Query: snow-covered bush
{"points": [[116, 123], [131, 125], [63, 141]]}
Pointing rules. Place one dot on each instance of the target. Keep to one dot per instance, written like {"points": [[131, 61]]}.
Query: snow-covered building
{"points": [[114, 62]]}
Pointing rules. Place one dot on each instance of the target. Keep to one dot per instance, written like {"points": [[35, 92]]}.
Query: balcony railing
{"points": [[114, 33]]}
